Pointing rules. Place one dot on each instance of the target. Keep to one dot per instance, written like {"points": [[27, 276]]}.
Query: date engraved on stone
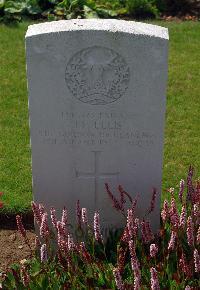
{"points": [[97, 75]]}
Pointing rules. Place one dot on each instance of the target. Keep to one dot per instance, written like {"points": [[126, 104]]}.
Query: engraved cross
{"points": [[96, 175]]}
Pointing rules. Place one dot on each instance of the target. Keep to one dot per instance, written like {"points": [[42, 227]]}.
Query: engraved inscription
{"points": [[97, 75], [97, 129], [96, 175]]}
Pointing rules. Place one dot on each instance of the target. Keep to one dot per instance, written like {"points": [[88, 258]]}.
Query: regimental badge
{"points": [[97, 75]]}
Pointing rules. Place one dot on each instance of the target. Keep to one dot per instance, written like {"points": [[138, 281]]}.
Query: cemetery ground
{"points": [[181, 133], [12, 247], [181, 146]]}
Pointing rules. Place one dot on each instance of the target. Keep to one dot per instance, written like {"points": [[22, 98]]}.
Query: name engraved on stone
{"points": [[97, 75], [97, 175]]}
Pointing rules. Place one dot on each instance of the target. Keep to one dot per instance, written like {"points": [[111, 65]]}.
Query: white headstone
{"points": [[97, 106]]}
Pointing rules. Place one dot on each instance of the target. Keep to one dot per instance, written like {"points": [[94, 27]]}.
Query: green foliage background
{"points": [[66, 9]]}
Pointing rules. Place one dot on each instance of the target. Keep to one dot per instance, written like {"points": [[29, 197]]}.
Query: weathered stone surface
{"points": [[97, 107]]}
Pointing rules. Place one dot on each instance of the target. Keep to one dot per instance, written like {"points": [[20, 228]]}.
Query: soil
{"points": [[8, 221], [13, 248]]}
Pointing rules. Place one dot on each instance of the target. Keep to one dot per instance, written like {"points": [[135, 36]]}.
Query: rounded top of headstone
{"points": [[110, 25]]}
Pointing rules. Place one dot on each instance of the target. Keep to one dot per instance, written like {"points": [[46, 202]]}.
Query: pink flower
{"points": [[188, 288], [118, 279], [124, 193], [44, 228], [1, 203], [61, 235], [190, 188], [143, 232], [53, 217], [134, 203], [61, 230], [130, 222], [84, 216], [25, 276], [196, 261], [41, 209], [122, 197], [196, 213], [183, 264], [97, 232], [147, 234], [174, 217], [154, 279], [153, 250], [135, 266], [125, 236], [153, 200], [137, 283], [43, 253], [85, 253], [136, 226], [36, 212], [121, 253], [181, 190], [20, 226], [115, 203], [64, 216], [64, 222], [197, 193], [172, 241], [198, 236], [37, 242], [78, 213], [182, 217], [132, 248], [190, 230], [60, 241], [165, 211], [70, 243], [136, 271]]}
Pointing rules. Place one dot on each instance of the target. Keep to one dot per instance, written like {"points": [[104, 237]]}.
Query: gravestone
{"points": [[97, 106]]}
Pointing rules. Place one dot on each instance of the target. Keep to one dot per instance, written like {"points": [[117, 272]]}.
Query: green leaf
{"points": [[47, 12], [11, 280], [70, 16], [45, 282], [35, 267], [2, 2], [59, 11], [33, 7], [14, 7], [106, 12], [64, 4], [89, 13], [51, 17], [54, 1]]}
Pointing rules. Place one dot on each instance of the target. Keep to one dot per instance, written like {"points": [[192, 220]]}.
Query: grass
{"points": [[15, 167], [181, 146]]}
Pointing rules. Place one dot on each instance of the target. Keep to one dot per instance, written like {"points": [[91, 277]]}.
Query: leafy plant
{"points": [[182, 7], [142, 8], [15, 10], [53, 9], [2, 3], [135, 259]]}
